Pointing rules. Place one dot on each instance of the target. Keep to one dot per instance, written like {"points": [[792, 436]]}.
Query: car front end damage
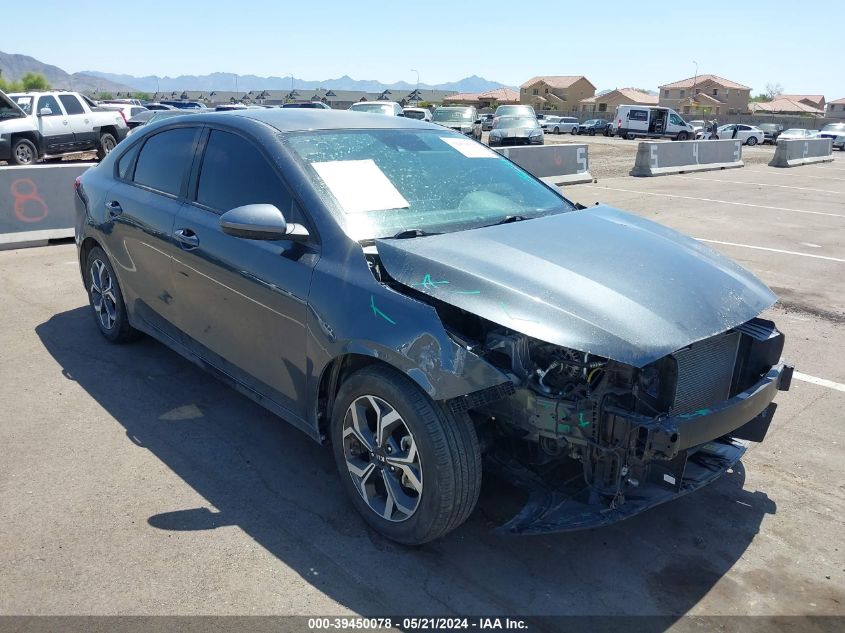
{"points": [[629, 385], [595, 441]]}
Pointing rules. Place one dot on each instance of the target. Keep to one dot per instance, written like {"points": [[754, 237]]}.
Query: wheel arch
{"points": [[32, 136]]}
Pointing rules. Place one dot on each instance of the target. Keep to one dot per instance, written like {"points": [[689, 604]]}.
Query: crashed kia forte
{"points": [[423, 305]]}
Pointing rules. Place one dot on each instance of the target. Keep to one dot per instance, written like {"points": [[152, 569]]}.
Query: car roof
{"points": [[301, 119]]}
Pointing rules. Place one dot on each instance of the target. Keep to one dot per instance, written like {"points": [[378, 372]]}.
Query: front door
{"points": [[241, 302], [53, 124]]}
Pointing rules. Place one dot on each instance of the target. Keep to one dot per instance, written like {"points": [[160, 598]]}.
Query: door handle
{"points": [[187, 239], [64, 122], [114, 208]]}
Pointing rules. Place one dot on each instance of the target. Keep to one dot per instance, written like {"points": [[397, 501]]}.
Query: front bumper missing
{"points": [[551, 510], [682, 453]]}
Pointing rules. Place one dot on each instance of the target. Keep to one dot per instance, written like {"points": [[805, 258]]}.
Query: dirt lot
{"points": [[133, 483]]}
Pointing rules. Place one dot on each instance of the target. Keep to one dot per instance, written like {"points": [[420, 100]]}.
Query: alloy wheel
{"points": [[103, 298], [382, 458]]}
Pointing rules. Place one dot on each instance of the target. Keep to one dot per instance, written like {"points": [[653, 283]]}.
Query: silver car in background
{"points": [[516, 130], [463, 119], [389, 108]]}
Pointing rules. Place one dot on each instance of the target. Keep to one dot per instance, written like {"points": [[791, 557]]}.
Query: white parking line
{"points": [[740, 204], [763, 184], [773, 250], [824, 382], [799, 173]]}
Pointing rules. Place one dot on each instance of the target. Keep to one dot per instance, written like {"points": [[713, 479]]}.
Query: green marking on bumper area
{"points": [[581, 421], [428, 283]]}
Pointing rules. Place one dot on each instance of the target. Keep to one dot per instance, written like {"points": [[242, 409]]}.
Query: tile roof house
{"points": [[621, 96], [705, 94], [556, 92], [337, 99], [782, 105], [487, 99], [815, 101], [836, 109]]}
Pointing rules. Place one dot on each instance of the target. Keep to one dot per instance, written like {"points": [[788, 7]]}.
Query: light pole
{"points": [[417, 93]]}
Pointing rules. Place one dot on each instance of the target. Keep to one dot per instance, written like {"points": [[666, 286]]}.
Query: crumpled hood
{"points": [[598, 280]]}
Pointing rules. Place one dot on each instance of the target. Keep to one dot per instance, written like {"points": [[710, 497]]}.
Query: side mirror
{"points": [[45, 112], [261, 222], [478, 122]]}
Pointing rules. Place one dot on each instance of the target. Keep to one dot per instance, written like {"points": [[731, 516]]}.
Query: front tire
{"points": [[106, 298], [24, 152], [682, 136], [411, 466], [107, 144], [557, 130]]}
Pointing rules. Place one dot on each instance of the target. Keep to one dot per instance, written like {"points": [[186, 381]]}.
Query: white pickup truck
{"points": [[36, 125]]}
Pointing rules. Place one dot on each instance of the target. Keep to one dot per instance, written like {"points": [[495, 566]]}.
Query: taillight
{"points": [[122, 116], [77, 183]]}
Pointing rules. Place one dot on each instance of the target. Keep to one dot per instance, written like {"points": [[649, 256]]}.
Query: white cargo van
{"points": [[632, 121]]}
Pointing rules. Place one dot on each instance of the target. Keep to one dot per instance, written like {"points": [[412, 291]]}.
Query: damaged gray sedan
{"points": [[431, 310]]}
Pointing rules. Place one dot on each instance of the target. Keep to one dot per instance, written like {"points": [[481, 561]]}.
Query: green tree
{"points": [[105, 95], [10, 86], [35, 81]]}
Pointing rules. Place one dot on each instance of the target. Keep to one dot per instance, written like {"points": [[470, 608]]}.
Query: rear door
{"points": [[53, 124], [243, 302], [150, 187], [79, 120]]}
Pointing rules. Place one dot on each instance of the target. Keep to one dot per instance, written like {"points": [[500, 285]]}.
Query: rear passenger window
{"points": [[124, 165], [235, 173], [71, 104], [164, 160]]}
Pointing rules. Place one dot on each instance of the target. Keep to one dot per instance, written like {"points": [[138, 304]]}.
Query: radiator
{"points": [[705, 373]]}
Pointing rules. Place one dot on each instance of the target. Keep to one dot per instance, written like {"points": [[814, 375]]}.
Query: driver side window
{"points": [[49, 102]]}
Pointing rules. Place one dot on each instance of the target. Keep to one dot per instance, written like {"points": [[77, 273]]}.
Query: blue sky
{"points": [[618, 44]]}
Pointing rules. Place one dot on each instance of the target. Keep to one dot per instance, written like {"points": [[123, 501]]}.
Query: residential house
{"points": [[621, 96], [782, 105], [814, 101], [337, 99], [488, 99], [556, 92], [705, 94], [836, 109]]}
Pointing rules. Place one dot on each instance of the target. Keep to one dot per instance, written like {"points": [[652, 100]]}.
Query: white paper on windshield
{"points": [[359, 185], [469, 148]]}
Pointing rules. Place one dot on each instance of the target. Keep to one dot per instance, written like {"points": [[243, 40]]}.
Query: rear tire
{"points": [[752, 141], [423, 475], [24, 152], [574, 131], [106, 298], [106, 144]]}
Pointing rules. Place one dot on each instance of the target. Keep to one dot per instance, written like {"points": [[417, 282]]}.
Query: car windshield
{"points": [[414, 114], [380, 182], [515, 110], [516, 121], [377, 108], [834, 127], [552, 119], [24, 102], [591, 122], [452, 116]]}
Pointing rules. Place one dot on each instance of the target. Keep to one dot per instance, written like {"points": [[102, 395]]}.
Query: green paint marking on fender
{"points": [[467, 292], [428, 283], [377, 312], [581, 421]]}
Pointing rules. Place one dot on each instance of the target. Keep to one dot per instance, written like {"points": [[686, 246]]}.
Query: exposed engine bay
{"points": [[595, 440], [636, 435]]}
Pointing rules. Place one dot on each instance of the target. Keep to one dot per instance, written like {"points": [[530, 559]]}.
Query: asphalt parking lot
{"points": [[133, 483]]}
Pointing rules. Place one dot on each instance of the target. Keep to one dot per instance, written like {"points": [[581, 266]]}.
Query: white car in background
{"points": [[559, 124], [421, 114], [749, 134], [836, 133], [797, 134]]}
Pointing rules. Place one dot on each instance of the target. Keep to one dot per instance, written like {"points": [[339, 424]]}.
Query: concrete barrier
{"points": [[678, 157], [36, 203], [553, 164], [794, 153]]}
